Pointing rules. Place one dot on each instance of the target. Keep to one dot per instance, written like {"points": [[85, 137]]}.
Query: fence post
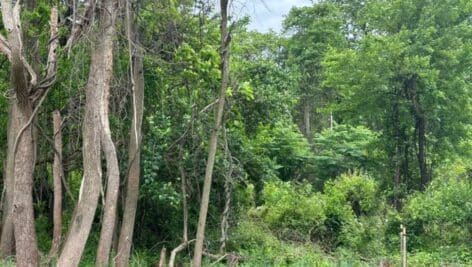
{"points": [[403, 245]]}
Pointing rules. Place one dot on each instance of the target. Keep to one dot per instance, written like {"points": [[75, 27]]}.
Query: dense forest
{"points": [[166, 133]]}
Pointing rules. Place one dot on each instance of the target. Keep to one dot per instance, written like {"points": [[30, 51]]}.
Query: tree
{"points": [[320, 26], [134, 150], [225, 56], [97, 87], [58, 174], [29, 93], [406, 78]]}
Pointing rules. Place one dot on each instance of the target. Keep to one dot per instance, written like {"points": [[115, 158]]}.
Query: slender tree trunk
{"points": [[57, 175], [162, 258], [90, 187], [113, 184], [420, 127], [99, 81], [225, 46], [134, 157], [183, 188], [306, 119], [113, 172]]}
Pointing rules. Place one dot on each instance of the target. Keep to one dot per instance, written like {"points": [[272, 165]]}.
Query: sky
{"points": [[267, 14]]}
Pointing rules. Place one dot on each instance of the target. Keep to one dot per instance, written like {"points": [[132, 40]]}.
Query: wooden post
{"points": [[403, 245]]}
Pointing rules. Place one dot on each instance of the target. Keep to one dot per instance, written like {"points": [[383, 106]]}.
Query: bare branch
{"points": [[17, 24], [12, 22], [5, 47], [80, 21]]}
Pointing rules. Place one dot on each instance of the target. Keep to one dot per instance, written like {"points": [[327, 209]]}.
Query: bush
{"points": [[347, 214], [294, 211], [353, 218], [258, 246], [439, 218]]}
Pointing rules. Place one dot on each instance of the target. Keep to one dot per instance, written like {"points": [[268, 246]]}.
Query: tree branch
{"points": [[5, 47]]}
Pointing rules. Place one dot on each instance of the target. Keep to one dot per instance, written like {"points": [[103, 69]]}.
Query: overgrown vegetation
{"points": [[352, 121]]}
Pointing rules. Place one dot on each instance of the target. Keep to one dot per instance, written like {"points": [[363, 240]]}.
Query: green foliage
{"points": [[256, 242], [344, 148], [439, 217], [295, 198], [7, 263], [288, 207], [43, 227], [404, 40], [347, 214], [266, 89], [143, 258], [313, 30], [353, 218]]}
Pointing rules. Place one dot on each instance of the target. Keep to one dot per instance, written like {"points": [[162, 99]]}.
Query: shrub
{"points": [[439, 218], [258, 246], [293, 210], [353, 218]]}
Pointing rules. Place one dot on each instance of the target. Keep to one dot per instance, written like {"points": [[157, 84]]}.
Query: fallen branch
{"points": [[178, 249]]}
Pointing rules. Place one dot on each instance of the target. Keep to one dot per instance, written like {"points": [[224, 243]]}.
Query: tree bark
{"points": [[99, 81], [134, 158], [7, 241], [113, 172], [21, 153], [57, 177], [224, 52], [18, 206], [23, 214]]}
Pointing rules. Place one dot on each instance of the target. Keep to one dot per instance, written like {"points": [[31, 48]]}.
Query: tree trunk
{"points": [[162, 258], [18, 204], [132, 186], [57, 175], [113, 184], [397, 153], [420, 129], [22, 149], [7, 241], [23, 214], [99, 81], [113, 172], [183, 188], [306, 119], [225, 46]]}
